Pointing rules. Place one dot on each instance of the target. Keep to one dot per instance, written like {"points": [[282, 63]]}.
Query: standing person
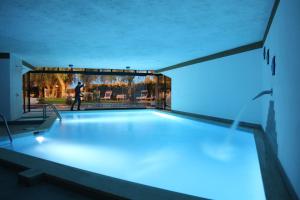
{"points": [[77, 96]]}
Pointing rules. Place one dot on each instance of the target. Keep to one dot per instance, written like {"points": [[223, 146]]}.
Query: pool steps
{"points": [[30, 177]]}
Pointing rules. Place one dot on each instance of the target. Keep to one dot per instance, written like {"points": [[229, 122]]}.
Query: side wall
{"points": [[281, 120], [219, 88], [11, 87], [4, 87], [16, 100]]}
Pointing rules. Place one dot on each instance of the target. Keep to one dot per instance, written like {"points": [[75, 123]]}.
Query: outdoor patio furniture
{"points": [[121, 96], [144, 94], [107, 95], [34, 100]]}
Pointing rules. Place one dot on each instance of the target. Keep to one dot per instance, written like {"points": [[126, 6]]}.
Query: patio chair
{"points": [[121, 96], [107, 95], [34, 100], [144, 94]]}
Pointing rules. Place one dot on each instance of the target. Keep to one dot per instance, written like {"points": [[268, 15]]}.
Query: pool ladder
{"points": [[7, 128], [54, 109]]}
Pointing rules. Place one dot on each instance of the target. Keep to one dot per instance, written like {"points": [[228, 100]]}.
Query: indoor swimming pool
{"points": [[153, 148]]}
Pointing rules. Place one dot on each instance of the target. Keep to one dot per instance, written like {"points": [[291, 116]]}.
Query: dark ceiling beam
{"points": [[26, 64], [4, 55], [123, 73], [221, 54], [7, 56], [274, 9]]}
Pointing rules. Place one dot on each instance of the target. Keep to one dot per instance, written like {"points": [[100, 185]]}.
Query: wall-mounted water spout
{"points": [[270, 92], [237, 119]]}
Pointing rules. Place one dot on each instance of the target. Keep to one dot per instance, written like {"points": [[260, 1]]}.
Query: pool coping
{"points": [[275, 184]]}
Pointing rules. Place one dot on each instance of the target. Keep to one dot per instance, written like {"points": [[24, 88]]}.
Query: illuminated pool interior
{"points": [[154, 148]]}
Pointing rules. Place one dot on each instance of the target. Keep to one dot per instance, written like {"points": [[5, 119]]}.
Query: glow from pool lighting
{"points": [[221, 152], [166, 115], [40, 139]]}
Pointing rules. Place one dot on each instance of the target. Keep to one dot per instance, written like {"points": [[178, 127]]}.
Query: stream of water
{"points": [[237, 119]]}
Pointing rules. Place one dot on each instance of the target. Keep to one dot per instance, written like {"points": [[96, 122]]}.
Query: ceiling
{"points": [[143, 34]]}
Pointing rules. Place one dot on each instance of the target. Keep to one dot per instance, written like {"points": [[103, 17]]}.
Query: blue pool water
{"points": [[154, 148]]}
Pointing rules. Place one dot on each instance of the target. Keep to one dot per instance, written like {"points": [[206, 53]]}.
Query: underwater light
{"points": [[40, 139]]}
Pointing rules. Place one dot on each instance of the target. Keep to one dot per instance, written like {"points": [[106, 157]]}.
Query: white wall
{"points": [[11, 87], [16, 93], [4, 87], [284, 42], [220, 87]]}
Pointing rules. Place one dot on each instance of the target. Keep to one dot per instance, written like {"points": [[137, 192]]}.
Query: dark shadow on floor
{"points": [[12, 190]]}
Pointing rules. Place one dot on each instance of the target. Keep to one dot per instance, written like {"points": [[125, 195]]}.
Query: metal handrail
{"points": [[54, 110], [7, 128]]}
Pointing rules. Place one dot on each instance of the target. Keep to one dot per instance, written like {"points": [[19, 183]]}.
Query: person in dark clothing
{"points": [[77, 96]]}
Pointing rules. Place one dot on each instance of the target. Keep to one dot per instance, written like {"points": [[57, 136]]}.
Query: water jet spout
{"points": [[270, 92]]}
